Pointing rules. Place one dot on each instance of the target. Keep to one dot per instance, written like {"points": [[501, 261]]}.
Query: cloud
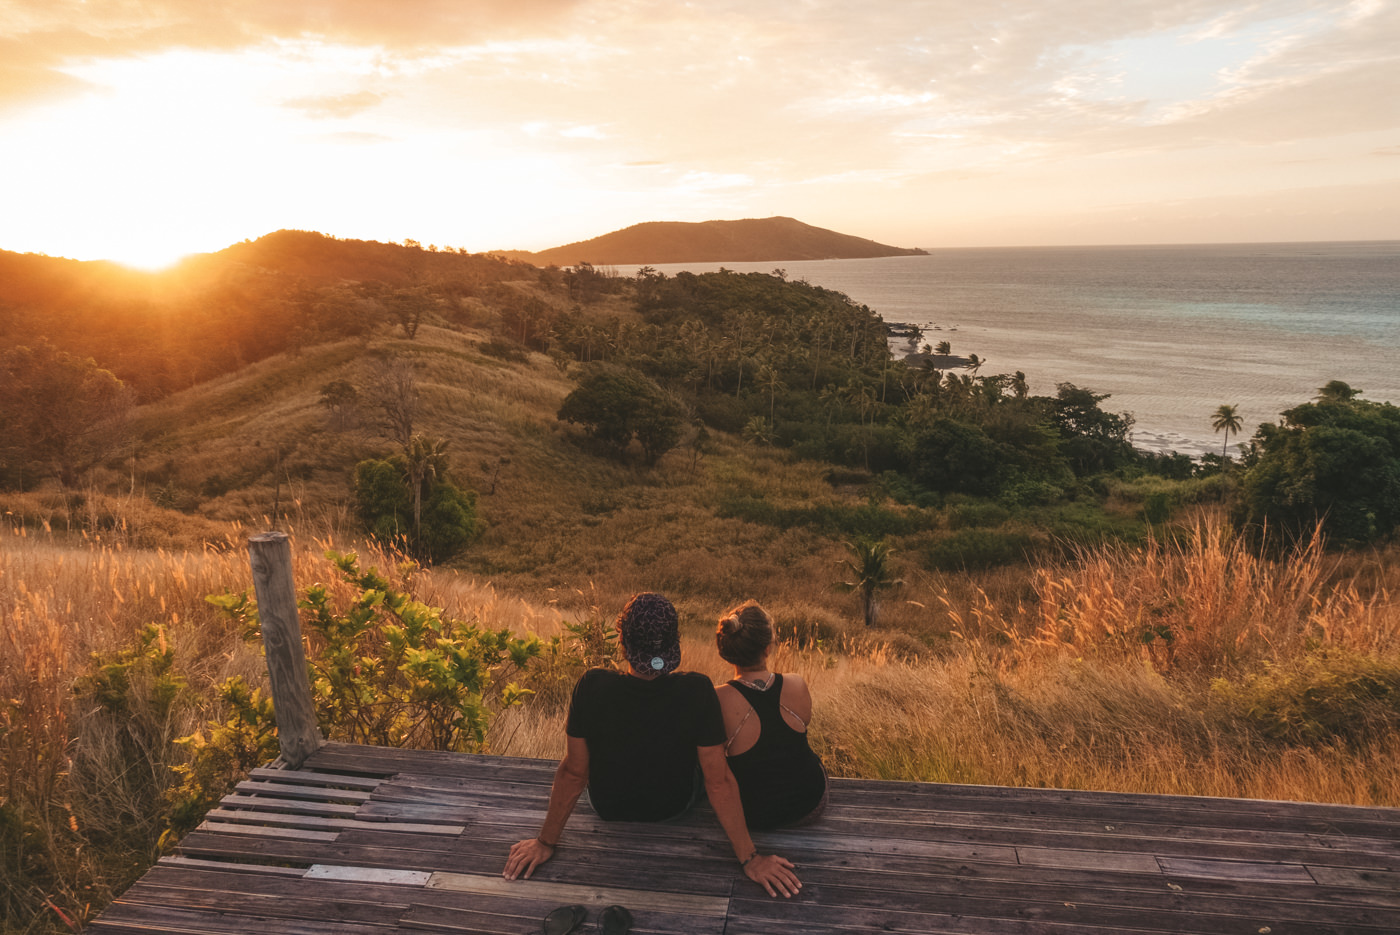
{"points": [[127, 26], [354, 138], [335, 105]]}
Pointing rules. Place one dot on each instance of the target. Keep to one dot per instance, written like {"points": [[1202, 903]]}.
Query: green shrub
{"points": [[383, 501], [1157, 507], [1327, 695], [972, 513], [974, 549]]}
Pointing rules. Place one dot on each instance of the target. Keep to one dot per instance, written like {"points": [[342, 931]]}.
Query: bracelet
{"points": [[745, 862], [553, 847]]}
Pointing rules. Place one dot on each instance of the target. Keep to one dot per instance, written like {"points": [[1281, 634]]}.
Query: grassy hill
{"points": [[751, 240]]}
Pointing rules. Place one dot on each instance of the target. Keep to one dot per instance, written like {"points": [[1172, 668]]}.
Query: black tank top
{"points": [[780, 779]]}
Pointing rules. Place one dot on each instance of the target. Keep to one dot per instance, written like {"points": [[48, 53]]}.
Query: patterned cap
{"points": [[650, 633]]}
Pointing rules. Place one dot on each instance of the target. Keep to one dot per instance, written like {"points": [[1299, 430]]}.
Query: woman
{"points": [[781, 781]]}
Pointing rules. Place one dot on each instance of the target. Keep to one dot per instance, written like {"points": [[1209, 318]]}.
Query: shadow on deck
{"points": [[373, 840]]}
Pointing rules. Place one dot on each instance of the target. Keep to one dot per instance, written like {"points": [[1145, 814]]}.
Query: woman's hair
{"points": [[743, 634]]}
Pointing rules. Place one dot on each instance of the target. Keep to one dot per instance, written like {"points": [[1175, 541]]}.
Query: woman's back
{"points": [[781, 779]]}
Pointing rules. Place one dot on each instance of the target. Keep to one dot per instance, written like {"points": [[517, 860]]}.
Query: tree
{"points": [[340, 399], [392, 387], [1334, 463], [424, 459], [408, 307], [447, 521], [616, 404], [944, 349], [59, 413], [952, 456], [1094, 440], [1336, 391], [1226, 419], [869, 564]]}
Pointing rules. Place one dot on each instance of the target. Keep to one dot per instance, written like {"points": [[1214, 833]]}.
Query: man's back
{"points": [[641, 736]]}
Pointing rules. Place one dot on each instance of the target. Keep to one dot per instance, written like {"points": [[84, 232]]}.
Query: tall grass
{"points": [[1192, 666]]}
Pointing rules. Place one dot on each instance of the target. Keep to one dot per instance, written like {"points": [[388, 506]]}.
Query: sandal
{"points": [[615, 921], [564, 920]]}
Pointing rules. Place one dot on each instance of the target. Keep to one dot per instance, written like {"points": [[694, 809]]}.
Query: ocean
{"points": [[1168, 332]]}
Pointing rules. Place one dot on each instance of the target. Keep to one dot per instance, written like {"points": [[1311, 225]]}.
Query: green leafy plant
{"points": [[385, 669], [1325, 696], [390, 670]]}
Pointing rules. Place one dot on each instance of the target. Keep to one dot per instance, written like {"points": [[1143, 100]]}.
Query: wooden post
{"points": [[271, 555]]}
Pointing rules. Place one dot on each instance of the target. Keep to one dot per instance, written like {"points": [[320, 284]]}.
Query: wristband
{"points": [[746, 860], [553, 847]]}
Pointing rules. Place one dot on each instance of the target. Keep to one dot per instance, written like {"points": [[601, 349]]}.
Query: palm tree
{"points": [[1336, 392], [424, 459], [870, 565], [768, 376], [1226, 419], [945, 348]]}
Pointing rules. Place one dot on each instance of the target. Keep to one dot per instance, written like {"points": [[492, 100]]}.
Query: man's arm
{"points": [[770, 871], [570, 779]]}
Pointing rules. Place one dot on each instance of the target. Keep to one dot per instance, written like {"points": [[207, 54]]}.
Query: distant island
{"points": [[753, 240]]}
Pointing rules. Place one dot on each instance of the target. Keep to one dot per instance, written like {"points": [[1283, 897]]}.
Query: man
{"points": [[634, 740]]}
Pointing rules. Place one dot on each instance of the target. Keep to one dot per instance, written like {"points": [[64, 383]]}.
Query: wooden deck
{"points": [[371, 840]]}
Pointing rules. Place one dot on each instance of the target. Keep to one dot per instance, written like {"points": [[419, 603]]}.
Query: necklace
{"points": [[758, 684]]}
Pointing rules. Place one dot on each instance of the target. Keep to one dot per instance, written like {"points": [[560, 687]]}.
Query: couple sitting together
{"points": [[644, 741]]}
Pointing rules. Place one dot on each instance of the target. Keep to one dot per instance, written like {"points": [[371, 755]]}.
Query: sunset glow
{"points": [[186, 127]]}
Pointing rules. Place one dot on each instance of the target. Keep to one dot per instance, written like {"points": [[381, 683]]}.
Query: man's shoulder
{"points": [[693, 686], [595, 678]]}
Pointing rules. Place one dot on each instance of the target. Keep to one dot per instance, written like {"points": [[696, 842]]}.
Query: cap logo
{"points": [[658, 663]]}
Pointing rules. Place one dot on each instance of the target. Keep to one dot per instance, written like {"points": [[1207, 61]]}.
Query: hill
{"points": [[747, 241], [213, 313]]}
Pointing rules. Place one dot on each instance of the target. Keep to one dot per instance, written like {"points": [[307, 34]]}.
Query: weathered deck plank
{"points": [[368, 841]]}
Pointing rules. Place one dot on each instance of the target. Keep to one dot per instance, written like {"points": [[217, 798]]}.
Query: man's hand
{"points": [[528, 854], [774, 874]]}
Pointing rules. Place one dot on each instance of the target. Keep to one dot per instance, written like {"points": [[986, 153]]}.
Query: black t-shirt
{"points": [[641, 738]]}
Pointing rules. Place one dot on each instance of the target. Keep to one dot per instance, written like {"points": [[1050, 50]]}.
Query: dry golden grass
{"points": [[1046, 684]]}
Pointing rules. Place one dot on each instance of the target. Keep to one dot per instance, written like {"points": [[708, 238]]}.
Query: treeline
{"points": [[802, 367], [793, 365], [215, 313]]}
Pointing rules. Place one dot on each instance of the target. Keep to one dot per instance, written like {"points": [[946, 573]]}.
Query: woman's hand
{"points": [[526, 855], [774, 874]]}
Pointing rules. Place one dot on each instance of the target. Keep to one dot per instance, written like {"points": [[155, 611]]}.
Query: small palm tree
{"points": [[758, 430], [873, 572], [1226, 419], [945, 348], [425, 459]]}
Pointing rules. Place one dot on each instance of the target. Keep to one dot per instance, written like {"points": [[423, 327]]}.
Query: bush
{"points": [[975, 549], [448, 522], [1335, 462], [1327, 695], [972, 513]]}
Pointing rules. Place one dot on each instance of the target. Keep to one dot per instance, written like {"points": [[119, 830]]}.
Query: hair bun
{"points": [[731, 625]]}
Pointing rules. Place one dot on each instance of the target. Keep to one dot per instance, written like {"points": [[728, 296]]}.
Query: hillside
{"points": [[213, 313], [746, 241]]}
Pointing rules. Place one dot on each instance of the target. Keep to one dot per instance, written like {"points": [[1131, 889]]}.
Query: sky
{"points": [[141, 130]]}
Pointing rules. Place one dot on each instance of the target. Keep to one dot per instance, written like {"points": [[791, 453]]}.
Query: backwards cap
{"points": [[650, 633]]}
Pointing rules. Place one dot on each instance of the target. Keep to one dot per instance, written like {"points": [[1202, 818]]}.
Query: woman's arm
{"points": [[570, 779], [770, 871]]}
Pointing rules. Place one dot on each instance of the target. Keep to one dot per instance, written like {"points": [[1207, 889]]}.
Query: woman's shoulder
{"points": [[794, 682], [796, 695]]}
